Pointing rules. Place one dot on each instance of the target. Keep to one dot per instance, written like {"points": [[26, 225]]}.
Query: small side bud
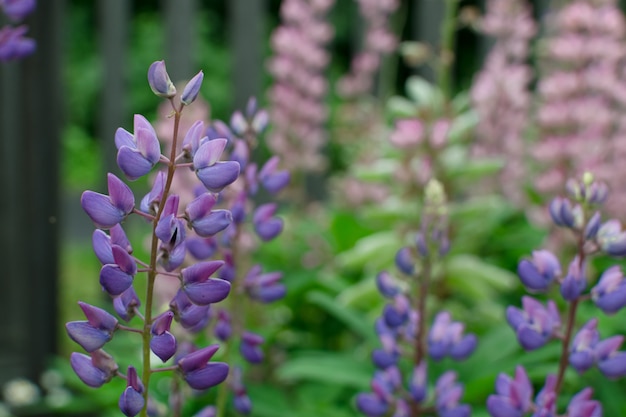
{"points": [[190, 93]]}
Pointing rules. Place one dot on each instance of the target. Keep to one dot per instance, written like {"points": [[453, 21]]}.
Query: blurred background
{"points": [[59, 110]]}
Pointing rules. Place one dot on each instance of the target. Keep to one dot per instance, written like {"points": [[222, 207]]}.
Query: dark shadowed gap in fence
{"points": [[31, 113]]}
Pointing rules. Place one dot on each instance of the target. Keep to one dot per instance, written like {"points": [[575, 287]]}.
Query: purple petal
{"points": [[201, 271], [371, 404], [131, 402], [159, 80], [200, 206], [197, 359], [211, 375], [148, 145], [251, 353], [100, 210], [269, 229], [269, 294], [192, 89], [124, 138], [211, 291], [132, 163], [99, 318], [125, 304], [124, 260], [87, 336], [114, 280], [162, 323], [209, 153], [530, 276], [87, 372], [213, 223], [499, 406], [102, 247], [615, 366], [463, 348], [219, 175], [17, 10], [163, 345], [121, 195], [530, 339]]}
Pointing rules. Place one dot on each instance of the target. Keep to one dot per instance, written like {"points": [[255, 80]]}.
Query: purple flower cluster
{"points": [[138, 153], [403, 331], [536, 323], [297, 95], [13, 43]]}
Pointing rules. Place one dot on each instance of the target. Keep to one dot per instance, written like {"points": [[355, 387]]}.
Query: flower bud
{"points": [[190, 93], [159, 80]]}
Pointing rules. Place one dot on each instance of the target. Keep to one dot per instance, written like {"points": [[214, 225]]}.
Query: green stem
{"points": [[448, 41], [152, 272]]}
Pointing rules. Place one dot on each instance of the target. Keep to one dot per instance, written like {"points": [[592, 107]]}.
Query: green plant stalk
{"points": [[420, 348], [448, 41], [152, 272]]}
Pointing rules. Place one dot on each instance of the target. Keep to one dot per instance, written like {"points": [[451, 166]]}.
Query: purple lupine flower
{"points": [[540, 271], [102, 243], [193, 139], [446, 338], [418, 384], [200, 287], [201, 248], [386, 285], [198, 372], [191, 90], [137, 153], [13, 44], [188, 314], [131, 401], [593, 225], [126, 303], [205, 221], [611, 362], [513, 395], [223, 327], [95, 369], [241, 400], [562, 212], [159, 80], [108, 210], [609, 293], [535, 324], [404, 261], [389, 354], [208, 411], [118, 277], [96, 331], [162, 342], [448, 393], [17, 10], [582, 355], [266, 226], [575, 281], [396, 313], [581, 405], [371, 404], [611, 238], [250, 347], [171, 232], [272, 179], [150, 202], [545, 401], [265, 288], [214, 174]]}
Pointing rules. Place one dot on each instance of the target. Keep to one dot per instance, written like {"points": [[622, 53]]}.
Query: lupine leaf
{"points": [[375, 250], [353, 319], [327, 367]]}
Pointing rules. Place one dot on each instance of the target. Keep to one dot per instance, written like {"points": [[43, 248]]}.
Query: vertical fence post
{"points": [[114, 21], [247, 36], [180, 38], [30, 128]]}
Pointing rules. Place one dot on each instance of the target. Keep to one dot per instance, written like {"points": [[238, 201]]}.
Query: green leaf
{"points": [[401, 107], [329, 368], [375, 250], [353, 319], [423, 93], [471, 270], [462, 125]]}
